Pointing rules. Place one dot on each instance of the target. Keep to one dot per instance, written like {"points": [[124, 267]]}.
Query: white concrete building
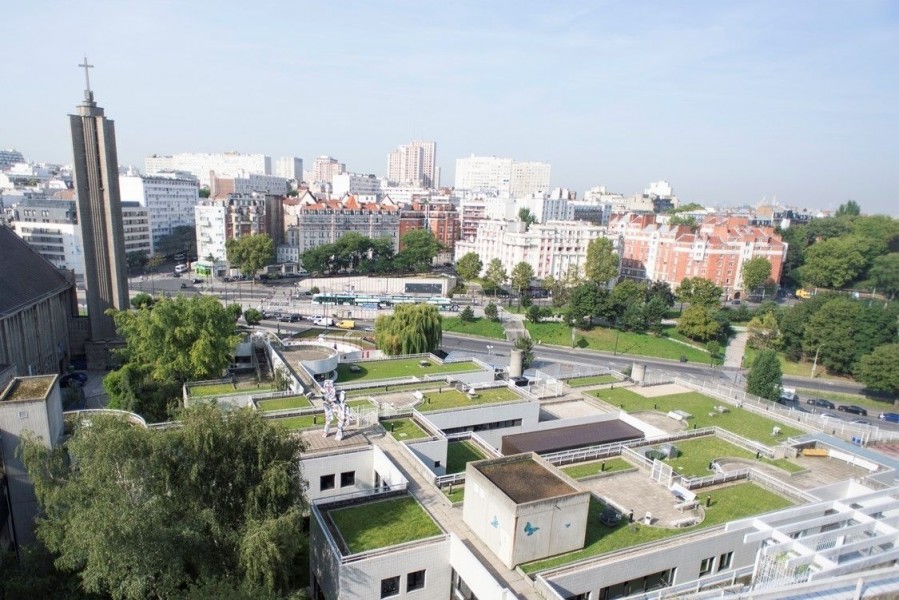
{"points": [[529, 178], [170, 200], [210, 224], [487, 173], [199, 164], [10, 157], [356, 184], [51, 227], [325, 168], [136, 223], [550, 248], [289, 167], [414, 164]]}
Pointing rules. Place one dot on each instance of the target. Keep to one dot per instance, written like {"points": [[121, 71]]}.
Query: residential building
{"points": [[51, 228], [200, 164], [9, 157], [137, 227], [502, 176], [441, 219], [170, 200], [221, 219], [717, 250], [551, 248], [100, 216], [414, 164], [289, 167], [357, 184], [325, 168], [245, 184], [529, 178]]}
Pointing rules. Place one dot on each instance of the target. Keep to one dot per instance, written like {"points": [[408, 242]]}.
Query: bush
{"points": [[467, 315], [535, 314], [491, 312], [315, 290], [252, 316]]}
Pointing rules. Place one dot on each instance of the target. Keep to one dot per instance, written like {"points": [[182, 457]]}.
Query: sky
{"points": [[730, 102]]}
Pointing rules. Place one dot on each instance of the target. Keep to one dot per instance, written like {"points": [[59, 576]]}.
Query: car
{"points": [[372, 329], [860, 422], [852, 409], [609, 517], [821, 402], [196, 281], [183, 286], [176, 275], [890, 417], [830, 417], [519, 381], [735, 302]]}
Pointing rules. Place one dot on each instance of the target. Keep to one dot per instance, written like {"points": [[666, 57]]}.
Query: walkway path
{"points": [[514, 325], [733, 355]]}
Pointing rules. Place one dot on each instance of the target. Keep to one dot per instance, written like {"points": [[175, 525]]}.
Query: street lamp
{"points": [[815, 362], [489, 350]]}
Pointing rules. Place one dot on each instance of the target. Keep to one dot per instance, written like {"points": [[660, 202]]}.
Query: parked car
{"points": [[609, 517], [196, 281], [853, 409], [860, 422], [830, 417], [183, 286], [890, 417], [76, 379], [821, 402], [519, 381]]}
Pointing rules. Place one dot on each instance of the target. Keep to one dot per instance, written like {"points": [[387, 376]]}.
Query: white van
{"points": [[180, 268]]}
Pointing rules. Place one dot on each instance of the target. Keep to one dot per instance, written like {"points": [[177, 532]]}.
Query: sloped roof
{"points": [[25, 275]]}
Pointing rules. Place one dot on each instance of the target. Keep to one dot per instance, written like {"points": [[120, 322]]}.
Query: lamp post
{"points": [[489, 350], [815, 362]]}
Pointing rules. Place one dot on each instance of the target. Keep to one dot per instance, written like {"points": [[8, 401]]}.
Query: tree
{"points": [[535, 314], [690, 207], [526, 345], [155, 261], [662, 291], [411, 329], [699, 292], [884, 273], [633, 318], [250, 253], [582, 304], [418, 249], [878, 371], [688, 220], [653, 312], [625, 294], [601, 265], [136, 260], [466, 315], [763, 332], [527, 217], [764, 376], [143, 513], [204, 192], [756, 272], [697, 323], [491, 311], [252, 316], [521, 277], [469, 266], [714, 349], [183, 239], [142, 300], [849, 209], [496, 274], [829, 335], [836, 262]]}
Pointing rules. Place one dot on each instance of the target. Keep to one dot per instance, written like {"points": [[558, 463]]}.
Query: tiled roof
{"points": [[25, 275]]}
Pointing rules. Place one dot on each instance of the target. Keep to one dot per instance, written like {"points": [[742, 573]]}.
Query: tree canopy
{"points": [[496, 274], [411, 329], [849, 209], [417, 250], [756, 272], [884, 273], [698, 323], [140, 513], [601, 265], [878, 370], [250, 253], [699, 291], [352, 251], [765, 375], [521, 276], [527, 217], [835, 262], [183, 239], [469, 266]]}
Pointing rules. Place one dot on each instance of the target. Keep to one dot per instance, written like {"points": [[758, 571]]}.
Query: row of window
{"points": [[391, 585], [347, 479]]}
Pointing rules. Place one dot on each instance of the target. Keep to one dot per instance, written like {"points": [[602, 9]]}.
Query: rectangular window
{"points": [[347, 478], [725, 560], [415, 580], [705, 567], [390, 586], [326, 483]]}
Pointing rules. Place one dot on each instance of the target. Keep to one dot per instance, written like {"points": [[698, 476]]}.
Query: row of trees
{"points": [[354, 252]]}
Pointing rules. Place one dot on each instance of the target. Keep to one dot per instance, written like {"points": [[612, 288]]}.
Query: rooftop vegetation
{"points": [[449, 399], [382, 524], [404, 367]]}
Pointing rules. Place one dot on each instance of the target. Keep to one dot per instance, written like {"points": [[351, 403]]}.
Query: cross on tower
{"points": [[87, 79]]}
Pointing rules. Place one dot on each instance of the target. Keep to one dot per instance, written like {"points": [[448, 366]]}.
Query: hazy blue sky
{"points": [[729, 101]]}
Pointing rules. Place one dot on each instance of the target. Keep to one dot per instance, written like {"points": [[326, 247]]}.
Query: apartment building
{"points": [[441, 219], [289, 167], [221, 219], [356, 184], [50, 227], [170, 200], [716, 251], [200, 164], [137, 227], [414, 164], [502, 176], [324, 168]]}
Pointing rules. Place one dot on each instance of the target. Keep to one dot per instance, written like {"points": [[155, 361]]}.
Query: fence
{"points": [[744, 443], [693, 483], [777, 485]]}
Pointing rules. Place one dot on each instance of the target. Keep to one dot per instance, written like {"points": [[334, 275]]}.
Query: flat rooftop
{"points": [[568, 438], [523, 480], [380, 524], [28, 389]]}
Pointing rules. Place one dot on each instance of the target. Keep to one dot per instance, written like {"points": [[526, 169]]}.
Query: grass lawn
{"points": [[744, 423], [480, 326], [456, 399], [697, 453], [788, 367], [310, 333], [595, 380], [402, 387], [221, 389], [457, 495], [404, 367], [284, 403], [601, 338], [301, 422], [728, 503], [382, 524], [874, 405], [459, 454], [594, 468], [404, 429]]}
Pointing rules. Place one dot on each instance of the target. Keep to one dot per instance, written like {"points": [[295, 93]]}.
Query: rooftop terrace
{"points": [[380, 524], [404, 367], [24, 389], [522, 479]]}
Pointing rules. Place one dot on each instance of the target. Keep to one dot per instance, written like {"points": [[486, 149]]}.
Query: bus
{"points": [[443, 303], [334, 299]]}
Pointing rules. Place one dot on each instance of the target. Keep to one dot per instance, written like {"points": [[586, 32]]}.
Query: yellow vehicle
{"points": [[347, 324], [804, 294]]}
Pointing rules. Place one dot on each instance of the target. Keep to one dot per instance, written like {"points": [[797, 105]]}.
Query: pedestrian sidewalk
{"points": [[513, 323], [733, 355]]}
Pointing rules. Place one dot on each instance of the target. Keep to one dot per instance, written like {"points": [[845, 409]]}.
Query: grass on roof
{"points": [[301, 422], [455, 399], [404, 429], [382, 524], [401, 387], [480, 326], [595, 467], [456, 495], [699, 452], [222, 389], [729, 503], [592, 380], [739, 421], [404, 367], [283, 403], [459, 454]]}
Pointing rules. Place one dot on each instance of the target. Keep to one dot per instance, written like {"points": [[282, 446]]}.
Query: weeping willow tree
{"points": [[411, 329]]}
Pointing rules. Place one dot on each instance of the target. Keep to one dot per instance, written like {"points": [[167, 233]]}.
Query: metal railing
{"points": [[692, 483], [777, 485]]}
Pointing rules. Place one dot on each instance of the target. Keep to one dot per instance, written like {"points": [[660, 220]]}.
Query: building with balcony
{"points": [[170, 200]]}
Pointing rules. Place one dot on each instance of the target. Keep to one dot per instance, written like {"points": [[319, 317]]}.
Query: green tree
{"points": [[633, 318], [829, 335], [714, 349], [688, 220], [250, 253], [849, 209], [418, 249], [155, 261], [182, 240], [764, 376], [320, 259], [625, 293], [884, 274], [526, 345], [698, 323], [527, 217], [878, 370], [469, 266], [582, 304], [521, 277], [136, 260], [141, 513], [653, 312], [204, 192], [699, 292], [690, 207], [835, 262], [662, 291], [142, 300], [411, 329], [491, 311], [466, 315], [252, 316], [756, 272], [535, 314], [601, 265], [763, 332], [496, 274]]}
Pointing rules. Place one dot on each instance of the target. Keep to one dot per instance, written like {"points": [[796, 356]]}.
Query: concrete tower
{"points": [[99, 212]]}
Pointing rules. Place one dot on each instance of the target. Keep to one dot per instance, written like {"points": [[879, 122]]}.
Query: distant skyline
{"points": [[729, 102]]}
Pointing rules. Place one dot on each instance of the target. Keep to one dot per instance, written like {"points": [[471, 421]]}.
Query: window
{"points": [[705, 567], [326, 483], [415, 581], [347, 478], [390, 586], [725, 560]]}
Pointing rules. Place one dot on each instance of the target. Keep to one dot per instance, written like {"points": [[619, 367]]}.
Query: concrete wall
{"points": [[475, 575], [490, 514], [359, 461], [361, 580], [390, 474], [557, 525], [430, 452], [527, 411]]}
